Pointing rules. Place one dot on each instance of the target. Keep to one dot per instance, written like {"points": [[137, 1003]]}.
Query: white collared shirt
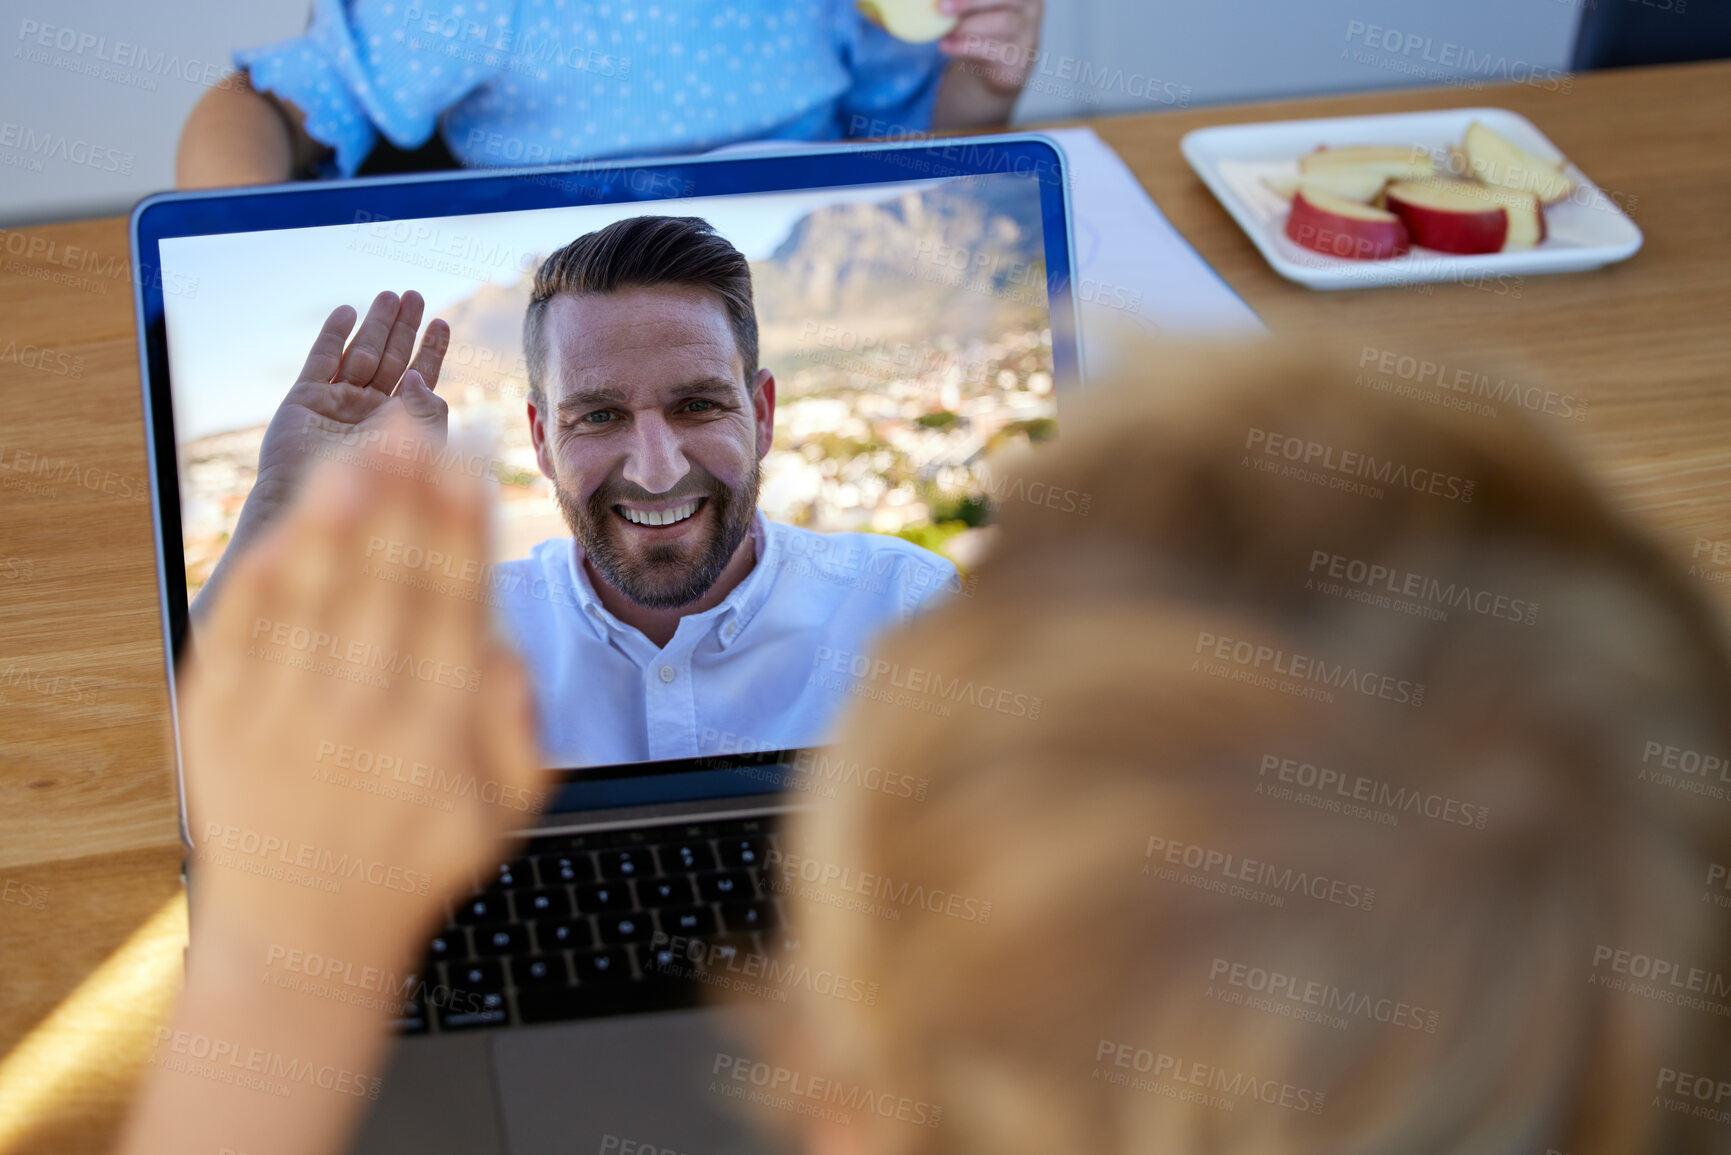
{"points": [[753, 673]]}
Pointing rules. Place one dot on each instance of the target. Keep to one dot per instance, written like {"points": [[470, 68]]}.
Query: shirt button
{"points": [[595, 611], [668, 673]]}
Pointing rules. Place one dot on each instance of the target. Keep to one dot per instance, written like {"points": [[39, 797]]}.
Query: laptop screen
{"points": [[905, 332]]}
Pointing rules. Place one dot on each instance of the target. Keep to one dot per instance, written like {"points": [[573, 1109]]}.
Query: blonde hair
{"points": [[1174, 634]]}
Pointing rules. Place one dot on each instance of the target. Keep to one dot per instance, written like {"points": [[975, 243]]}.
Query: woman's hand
{"points": [[996, 38], [993, 48]]}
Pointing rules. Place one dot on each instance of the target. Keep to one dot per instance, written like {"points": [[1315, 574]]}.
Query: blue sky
{"points": [[236, 347]]}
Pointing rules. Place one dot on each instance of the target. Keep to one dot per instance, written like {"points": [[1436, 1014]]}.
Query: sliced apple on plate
{"points": [[1355, 184], [1459, 165], [1399, 161], [1326, 222], [1462, 217], [916, 21], [1526, 216], [1498, 162]]}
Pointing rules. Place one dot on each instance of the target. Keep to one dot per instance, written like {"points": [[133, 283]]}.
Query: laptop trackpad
{"points": [[635, 1084]]}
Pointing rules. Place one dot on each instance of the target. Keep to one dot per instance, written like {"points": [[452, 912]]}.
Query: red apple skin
{"points": [[1349, 238], [1453, 231]]}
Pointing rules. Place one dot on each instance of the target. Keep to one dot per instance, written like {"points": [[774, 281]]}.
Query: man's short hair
{"points": [[642, 252]]}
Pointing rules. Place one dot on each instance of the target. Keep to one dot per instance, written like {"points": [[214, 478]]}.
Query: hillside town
{"points": [[864, 441]]}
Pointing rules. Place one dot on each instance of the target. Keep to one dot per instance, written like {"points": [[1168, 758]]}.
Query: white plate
{"points": [[1585, 230]]}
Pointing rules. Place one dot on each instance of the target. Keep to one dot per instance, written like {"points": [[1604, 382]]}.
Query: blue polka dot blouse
{"points": [[522, 82]]}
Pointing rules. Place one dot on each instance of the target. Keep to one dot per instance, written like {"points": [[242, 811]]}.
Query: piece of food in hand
{"points": [[1355, 184], [1398, 161], [1462, 217], [1326, 222], [1495, 160], [916, 21]]}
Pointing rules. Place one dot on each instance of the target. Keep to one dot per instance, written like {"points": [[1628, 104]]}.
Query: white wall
{"points": [[1124, 55], [88, 123], [100, 107]]}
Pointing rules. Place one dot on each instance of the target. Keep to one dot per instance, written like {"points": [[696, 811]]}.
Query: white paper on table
{"points": [[1123, 241], [1130, 266]]}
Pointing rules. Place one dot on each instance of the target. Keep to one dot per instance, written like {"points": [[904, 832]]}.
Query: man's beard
{"points": [[662, 577]]}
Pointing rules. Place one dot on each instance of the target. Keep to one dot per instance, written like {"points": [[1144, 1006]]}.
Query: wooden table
{"points": [[86, 797]]}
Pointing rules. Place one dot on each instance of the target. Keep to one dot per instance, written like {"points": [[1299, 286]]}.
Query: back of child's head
{"points": [[1311, 770]]}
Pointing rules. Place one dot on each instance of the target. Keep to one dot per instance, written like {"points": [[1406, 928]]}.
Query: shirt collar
{"points": [[728, 620]]}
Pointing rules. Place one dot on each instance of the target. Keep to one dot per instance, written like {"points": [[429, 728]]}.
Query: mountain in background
{"points": [[487, 336], [836, 258], [886, 269], [890, 269]]}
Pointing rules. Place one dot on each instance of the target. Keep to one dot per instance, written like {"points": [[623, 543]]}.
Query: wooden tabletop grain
{"points": [[89, 854]]}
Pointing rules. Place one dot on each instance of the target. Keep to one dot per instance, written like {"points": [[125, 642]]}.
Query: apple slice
{"points": [[1526, 215], [1326, 222], [1498, 162], [1400, 161], [916, 21], [1530, 212], [1459, 166], [1462, 217], [1355, 184]]}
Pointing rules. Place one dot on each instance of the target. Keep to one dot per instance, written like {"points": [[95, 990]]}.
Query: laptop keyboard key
{"points": [[674, 891], [670, 960], [634, 862], [546, 902], [737, 853], [602, 897], [619, 928], [726, 950], [473, 1009], [449, 944], [686, 920], [481, 910], [501, 940], [563, 934], [686, 857], [481, 975], [554, 869], [602, 967], [725, 886], [540, 971], [693, 957], [748, 915]]}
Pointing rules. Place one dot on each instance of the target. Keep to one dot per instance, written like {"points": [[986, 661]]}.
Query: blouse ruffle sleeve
{"points": [[367, 68]]}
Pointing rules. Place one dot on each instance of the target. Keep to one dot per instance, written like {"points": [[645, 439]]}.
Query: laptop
{"points": [[914, 301]]}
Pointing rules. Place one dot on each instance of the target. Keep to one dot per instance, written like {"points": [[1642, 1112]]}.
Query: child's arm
{"points": [[237, 135], [253, 1060]]}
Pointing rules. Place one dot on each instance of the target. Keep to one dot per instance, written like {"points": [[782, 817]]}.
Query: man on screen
{"points": [[677, 620]]}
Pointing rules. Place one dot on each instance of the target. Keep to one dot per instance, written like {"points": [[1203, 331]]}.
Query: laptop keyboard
{"points": [[587, 925]]}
